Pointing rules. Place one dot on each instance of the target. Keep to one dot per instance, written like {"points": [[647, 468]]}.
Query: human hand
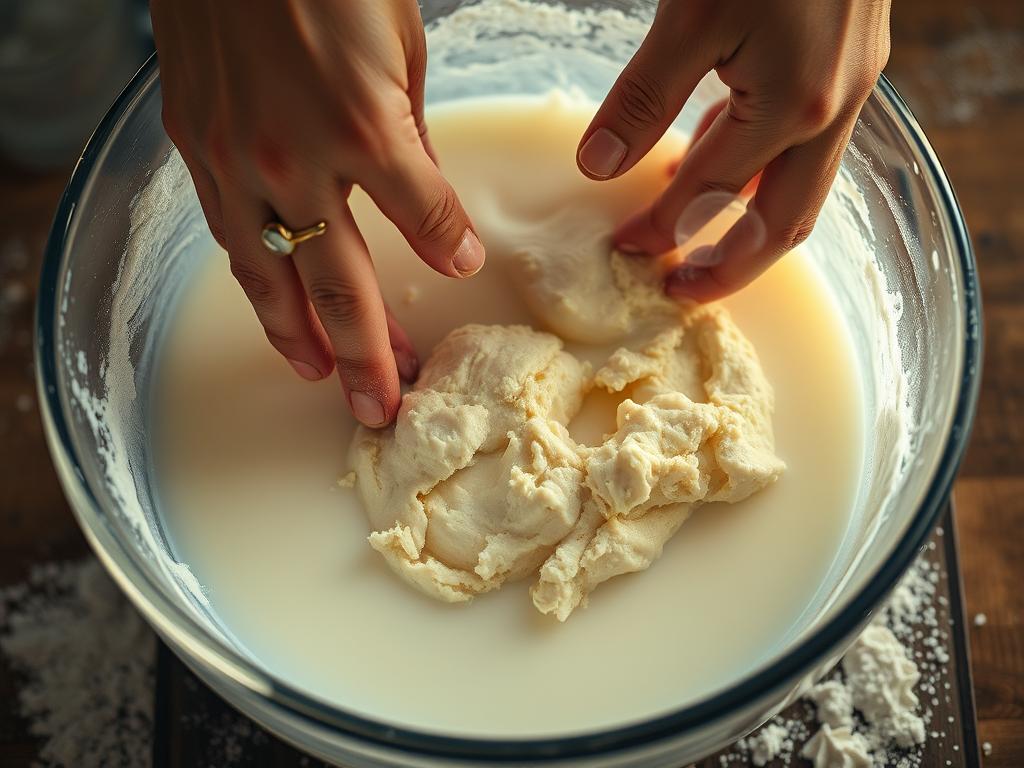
{"points": [[278, 108], [798, 72]]}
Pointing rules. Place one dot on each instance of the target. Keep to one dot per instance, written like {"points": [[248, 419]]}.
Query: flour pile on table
{"points": [[872, 710]]}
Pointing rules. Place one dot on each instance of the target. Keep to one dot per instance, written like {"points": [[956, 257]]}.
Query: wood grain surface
{"points": [[960, 66]]}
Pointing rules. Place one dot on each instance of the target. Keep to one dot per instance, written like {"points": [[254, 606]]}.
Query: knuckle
{"points": [[747, 114], [337, 302], [818, 108], [640, 100], [360, 134], [358, 145], [439, 222], [272, 160], [793, 233], [356, 367], [257, 284]]}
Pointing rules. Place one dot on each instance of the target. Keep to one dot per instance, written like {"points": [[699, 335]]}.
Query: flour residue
{"points": [[163, 228]]}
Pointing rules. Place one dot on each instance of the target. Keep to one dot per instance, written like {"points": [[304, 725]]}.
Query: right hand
{"points": [[798, 74], [278, 108]]}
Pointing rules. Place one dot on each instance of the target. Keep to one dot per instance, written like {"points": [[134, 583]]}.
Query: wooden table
{"points": [[943, 55], [961, 69]]}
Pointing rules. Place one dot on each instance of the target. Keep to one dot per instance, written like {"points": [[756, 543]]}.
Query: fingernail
{"points": [[603, 153], [469, 256], [368, 410], [408, 365], [306, 371]]}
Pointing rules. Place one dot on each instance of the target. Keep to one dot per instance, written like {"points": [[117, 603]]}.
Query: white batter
{"points": [[249, 456]]}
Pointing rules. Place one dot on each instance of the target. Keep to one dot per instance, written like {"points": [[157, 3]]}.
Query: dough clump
{"points": [[562, 269], [479, 482]]}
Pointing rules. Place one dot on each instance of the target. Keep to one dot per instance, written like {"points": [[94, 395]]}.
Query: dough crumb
{"points": [[348, 480]]}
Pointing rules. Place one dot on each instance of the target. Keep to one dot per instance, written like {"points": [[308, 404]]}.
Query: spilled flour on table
{"points": [[875, 707], [85, 661]]}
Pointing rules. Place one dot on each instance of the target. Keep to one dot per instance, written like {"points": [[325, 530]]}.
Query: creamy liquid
{"points": [[249, 454]]}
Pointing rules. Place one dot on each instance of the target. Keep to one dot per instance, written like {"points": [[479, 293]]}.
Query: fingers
{"points": [[648, 94], [272, 286], [792, 191], [427, 211], [718, 165], [338, 276], [322, 308]]}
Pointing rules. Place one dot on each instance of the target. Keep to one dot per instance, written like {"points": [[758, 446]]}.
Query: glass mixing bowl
{"points": [[891, 245]]}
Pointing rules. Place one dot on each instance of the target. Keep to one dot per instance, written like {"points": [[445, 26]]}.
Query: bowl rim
{"points": [[183, 632]]}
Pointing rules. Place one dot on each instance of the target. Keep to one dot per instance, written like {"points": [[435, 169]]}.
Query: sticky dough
{"points": [[579, 289], [479, 481]]}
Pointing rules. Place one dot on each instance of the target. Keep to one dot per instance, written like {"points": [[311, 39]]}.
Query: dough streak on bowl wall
{"points": [[249, 457]]}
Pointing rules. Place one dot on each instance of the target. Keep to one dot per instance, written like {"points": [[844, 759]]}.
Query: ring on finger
{"points": [[279, 239]]}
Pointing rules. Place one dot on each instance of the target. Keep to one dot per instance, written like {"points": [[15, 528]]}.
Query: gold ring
{"points": [[277, 238]]}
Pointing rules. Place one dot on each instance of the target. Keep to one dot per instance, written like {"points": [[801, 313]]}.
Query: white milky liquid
{"points": [[249, 455]]}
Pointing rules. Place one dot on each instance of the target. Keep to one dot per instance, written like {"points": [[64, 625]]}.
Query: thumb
{"points": [[648, 94]]}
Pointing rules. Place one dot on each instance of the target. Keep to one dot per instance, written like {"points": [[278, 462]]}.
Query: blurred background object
{"points": [[62, 62]]}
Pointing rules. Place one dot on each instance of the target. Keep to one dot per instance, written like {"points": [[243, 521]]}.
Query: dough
{"points": [[670, 453], [479, 481], [563, 271]]}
